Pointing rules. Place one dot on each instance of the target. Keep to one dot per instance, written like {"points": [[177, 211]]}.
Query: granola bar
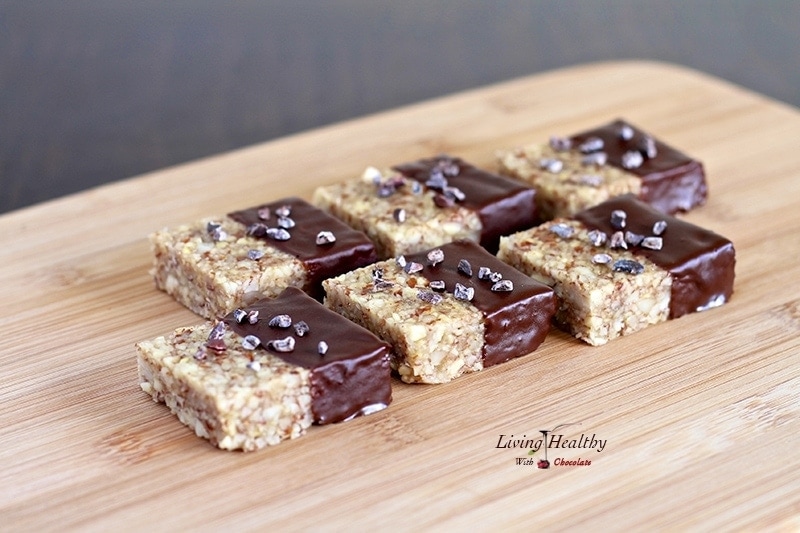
{"points": [[266, 372], [215, 265], [430, 202], [574, 173], [622, 265], [447, 311]]}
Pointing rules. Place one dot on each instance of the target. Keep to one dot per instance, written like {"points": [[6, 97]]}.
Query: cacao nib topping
{"points": [[438, 285], [618, 219], [385, 191], [430, 297], [659, 227], [601, 259], [632, 159], [507, 315], [597, 237], [255, 255], [671, 181], [462, 292], [495, 276], [503, 205], [653, 243], [401, 261], [435, 256], [700, 261], [560, 144], [216, 232], [264, 213], [564, 231], [648, 147], [280, 321], [628, 266], [454, 193], [484, 273], [216, 339], [399, 214], [322, 347], [625, 132], [413, 267], [465, 268], [325, 237], [592, 144], [286, 222], [251, 342], [618, 240], [239, 315], [352, 376], [352, 248], [279, 234], [284, 211], [282, 345], [504, 285], [257, 230], [551, 165], [252, 316], [436, 181], [634, 239], [596, 158]]}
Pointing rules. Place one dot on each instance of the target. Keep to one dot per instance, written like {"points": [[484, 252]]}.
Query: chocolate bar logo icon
{"points": [[552, 439]]}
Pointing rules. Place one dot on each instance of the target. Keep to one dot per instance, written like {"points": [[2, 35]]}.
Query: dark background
{"points": [[93, 91]]}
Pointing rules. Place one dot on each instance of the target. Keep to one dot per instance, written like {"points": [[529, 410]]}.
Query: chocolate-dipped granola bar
{"points": [[217, 264], [573, 173], [446, 311], [623, 265], [267, 371], [430, 202]]}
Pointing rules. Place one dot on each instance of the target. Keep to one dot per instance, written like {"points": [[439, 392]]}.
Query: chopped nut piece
{"points": [[562, 230], [279, 234], [592, 144], [438, 285], [399, 214], [255, 255], [551, 165], [618, 240], [286, 223], [239, 315], [430, 297], [598, 237], [634, 239], [632, 159], [659, 227], [618, 218], [595, 158], [601, 259]]}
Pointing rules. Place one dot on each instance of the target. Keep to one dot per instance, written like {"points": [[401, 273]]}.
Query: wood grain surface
{"points": [[700, 415]]}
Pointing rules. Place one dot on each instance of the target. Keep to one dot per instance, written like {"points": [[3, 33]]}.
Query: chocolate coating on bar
{"points": [[352, 375], [351, 250], [671, 181], [504, 206], [516, 322], [700, 261]]}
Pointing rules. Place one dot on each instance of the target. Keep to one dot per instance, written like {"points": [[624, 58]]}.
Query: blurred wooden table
{"points": [[699, 415]]}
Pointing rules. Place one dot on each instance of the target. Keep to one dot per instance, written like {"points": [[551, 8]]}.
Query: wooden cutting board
{"points": [[699, 416]]}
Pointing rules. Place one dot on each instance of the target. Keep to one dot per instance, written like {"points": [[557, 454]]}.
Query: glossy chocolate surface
{"points": [[671, 181], [700, 261], [352, 249], [352, 375], [504, 206], [517, 321]]}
